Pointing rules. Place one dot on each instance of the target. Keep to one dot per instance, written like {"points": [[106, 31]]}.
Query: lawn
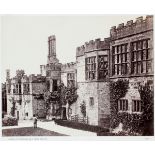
{"points": [[29, 131]]}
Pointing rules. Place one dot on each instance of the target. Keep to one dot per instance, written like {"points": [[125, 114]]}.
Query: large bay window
{"points": [[140, 57], [91, 67], [120, 56], [102, 66], [90, 64]]}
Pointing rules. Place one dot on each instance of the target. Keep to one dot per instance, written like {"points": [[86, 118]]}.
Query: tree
{"points": [[63, 96], [13, 107], [146, 95], [70, 96]]}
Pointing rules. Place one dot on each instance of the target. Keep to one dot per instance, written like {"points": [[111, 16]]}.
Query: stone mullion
{"points": [[97, 68], [129, 58]]}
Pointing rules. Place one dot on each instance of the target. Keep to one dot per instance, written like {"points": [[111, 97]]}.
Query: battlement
{"points": [[53, 66], [131, 28], [92, 45], [68, 66], [37, 78]]}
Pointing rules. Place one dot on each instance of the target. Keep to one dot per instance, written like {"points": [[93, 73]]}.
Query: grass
{"points": [[29, 131]]}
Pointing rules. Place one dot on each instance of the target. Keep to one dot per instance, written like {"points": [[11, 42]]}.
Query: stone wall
{"points": [[65, 69], [85, 91], [133, 93], [88, 89], [64, 78], [39, 107], [131, 28], [38, 104], [103, 104], [38, 88], [80, 69], [92, 46], [144, 35]]}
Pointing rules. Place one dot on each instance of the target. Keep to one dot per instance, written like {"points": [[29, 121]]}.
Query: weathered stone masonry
{"points": [[126, 54]]}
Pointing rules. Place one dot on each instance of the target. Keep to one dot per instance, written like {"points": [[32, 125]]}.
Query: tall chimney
{"points": [[52, 46]]}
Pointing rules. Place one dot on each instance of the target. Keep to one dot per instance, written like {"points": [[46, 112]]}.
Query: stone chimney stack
{"points": [[52, 50], [52, 46]]}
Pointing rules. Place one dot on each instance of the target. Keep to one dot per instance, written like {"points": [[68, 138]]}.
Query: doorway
{"points": [[64, 113], [18, 115]]}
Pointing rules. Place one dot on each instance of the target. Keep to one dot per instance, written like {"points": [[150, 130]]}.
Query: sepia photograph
{"points": [[77, 75]]}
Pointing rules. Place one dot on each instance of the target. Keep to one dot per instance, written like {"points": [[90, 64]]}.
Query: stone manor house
{"points": [[126, 54]]}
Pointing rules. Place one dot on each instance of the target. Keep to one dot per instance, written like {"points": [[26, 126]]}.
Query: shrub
{"points": [[131, 122], [9, 121], [83, 109], [147, 97], [81, 126], [125, 133], [3, 114]]}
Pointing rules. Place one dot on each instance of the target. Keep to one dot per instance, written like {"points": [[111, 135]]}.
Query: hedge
{"points": [[9, 121], [81, 126]]}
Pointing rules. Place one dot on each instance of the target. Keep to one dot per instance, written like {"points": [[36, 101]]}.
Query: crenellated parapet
{"points": [[68, 66], [36, 78], [132, 28], [92, 45], [53, 66]]}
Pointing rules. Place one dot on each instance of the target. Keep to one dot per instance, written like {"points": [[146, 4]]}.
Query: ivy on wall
{"points": [[139, 123], [118, 89], [83, 109], [147, 117]]}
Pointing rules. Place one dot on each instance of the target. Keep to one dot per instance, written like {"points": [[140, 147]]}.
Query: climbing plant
{"points": [[83, 109], [118, 89], [13, 107], [147, 117], [62, 96]]}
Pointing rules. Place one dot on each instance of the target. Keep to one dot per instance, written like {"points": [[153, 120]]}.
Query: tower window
{"points": [[70, 79], [90, 68]]}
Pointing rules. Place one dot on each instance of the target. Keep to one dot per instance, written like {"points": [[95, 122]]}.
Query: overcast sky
{"points": [[24, 38]]}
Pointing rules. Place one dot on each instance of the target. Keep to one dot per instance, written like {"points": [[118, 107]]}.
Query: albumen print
{"points": [[77, 75]]}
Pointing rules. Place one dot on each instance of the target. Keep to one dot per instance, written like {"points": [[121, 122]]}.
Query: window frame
{"points": [[123, 105], [103, 72], [120, 56], [90, 68], [138, 109], [91, 101], [140, 57], [70, 79]]}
